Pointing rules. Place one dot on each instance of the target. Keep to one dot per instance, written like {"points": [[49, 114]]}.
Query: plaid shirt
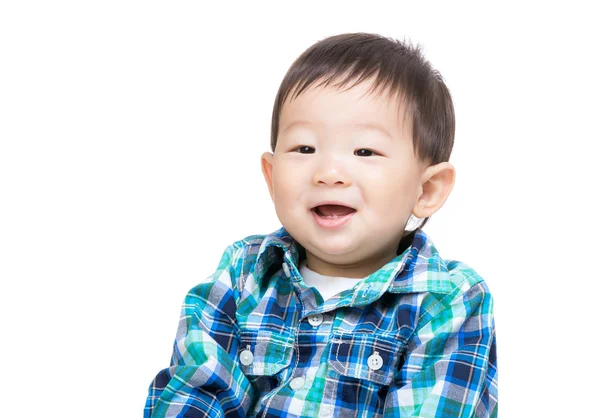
{"points": [[414, 339]]}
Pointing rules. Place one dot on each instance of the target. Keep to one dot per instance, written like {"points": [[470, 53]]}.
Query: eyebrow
{"points": [[364, 125]]}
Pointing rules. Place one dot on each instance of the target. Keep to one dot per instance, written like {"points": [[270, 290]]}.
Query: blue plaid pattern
{"points": [[414, 339]]}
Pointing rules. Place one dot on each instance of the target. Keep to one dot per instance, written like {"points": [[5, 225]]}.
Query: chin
{"points": [[335, 247], [332, 243]]}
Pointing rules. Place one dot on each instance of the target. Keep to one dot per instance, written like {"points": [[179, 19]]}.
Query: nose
{"points": [[331, 173]]}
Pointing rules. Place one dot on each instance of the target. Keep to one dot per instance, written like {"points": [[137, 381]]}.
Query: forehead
{"points": [[339, 107]]}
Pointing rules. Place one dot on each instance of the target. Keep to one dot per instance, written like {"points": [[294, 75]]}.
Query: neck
{"points": [[358, 270]]}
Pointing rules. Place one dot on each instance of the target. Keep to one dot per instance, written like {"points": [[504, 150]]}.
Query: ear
{"points": [[266, 162], [437, 182]]}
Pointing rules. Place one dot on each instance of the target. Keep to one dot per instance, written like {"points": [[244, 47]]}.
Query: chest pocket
{"points": [[371, 357], [265, 353]]}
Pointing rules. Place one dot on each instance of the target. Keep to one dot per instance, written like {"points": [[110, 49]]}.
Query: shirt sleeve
{"points": [[450, 367], [204, 378]]}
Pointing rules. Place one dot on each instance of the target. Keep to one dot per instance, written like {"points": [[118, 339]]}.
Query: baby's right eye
{"points": [[304, 149]]}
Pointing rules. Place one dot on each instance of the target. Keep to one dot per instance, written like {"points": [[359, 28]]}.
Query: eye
{"points": [[364, 152], [305, 150]]}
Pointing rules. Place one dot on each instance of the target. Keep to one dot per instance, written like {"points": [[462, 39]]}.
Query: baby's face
{"points": [[344, 177]]}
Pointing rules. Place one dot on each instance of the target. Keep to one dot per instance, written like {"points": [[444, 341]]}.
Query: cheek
{"points": [[388, 189], [288, 174], [380, 179], [285, 185]]}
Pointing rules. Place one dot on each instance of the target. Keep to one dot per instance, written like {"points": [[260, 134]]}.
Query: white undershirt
{"points": [[327, 286]]}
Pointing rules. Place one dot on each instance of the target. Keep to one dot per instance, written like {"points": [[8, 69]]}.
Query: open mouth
{"points": [[332, 211], [332, 216]]}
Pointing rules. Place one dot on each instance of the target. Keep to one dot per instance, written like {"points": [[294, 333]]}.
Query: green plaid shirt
{"points": [[414, 339]]}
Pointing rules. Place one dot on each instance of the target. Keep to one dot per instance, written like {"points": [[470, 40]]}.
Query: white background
{"points": [[131, 134]]}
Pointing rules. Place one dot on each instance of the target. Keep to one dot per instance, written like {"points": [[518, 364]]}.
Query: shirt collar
{"points": [[275, 248], [418, 268], [423, 269]]}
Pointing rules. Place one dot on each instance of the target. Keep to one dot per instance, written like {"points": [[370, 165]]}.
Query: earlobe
{"points": [[437, 183], [266, 162]]}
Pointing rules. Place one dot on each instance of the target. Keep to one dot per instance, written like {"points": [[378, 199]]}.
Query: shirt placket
{"points": [[312, 334]]}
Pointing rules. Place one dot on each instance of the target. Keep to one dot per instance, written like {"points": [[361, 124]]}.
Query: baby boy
{"points": [[345, 311]]}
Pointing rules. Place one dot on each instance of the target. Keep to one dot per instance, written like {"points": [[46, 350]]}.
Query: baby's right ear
{"points": [[266, 162]]}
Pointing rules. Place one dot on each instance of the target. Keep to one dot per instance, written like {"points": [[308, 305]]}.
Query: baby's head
{"points": [[362, 132]]}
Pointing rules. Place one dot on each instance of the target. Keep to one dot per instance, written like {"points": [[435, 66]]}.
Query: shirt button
{"points": [[311, 374], [297, 383], [315, 320], [375, 361], [286, 270], [246, 357]]}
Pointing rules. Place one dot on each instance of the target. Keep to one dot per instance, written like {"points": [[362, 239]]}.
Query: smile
{"points": [[334, 220]]}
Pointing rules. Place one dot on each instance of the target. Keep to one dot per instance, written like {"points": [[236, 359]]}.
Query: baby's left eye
{"points": [[364, 152]]}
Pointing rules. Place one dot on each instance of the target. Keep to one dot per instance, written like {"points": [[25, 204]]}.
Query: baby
{"points": [[345, 311]]}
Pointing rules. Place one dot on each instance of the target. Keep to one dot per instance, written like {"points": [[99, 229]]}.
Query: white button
{"points": [[286, 270], [246, 357], [297, 383], [311, 374], [375, 361], [315, 320]]}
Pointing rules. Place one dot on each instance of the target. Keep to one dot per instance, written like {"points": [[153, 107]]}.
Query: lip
{"points": [[331, 223]]}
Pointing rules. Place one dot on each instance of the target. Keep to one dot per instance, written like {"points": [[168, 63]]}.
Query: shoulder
{"points": [[425, 270], [443, 282], [461, 302], [463, 284], [471, 293], [463, 277], [468, 299]]}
